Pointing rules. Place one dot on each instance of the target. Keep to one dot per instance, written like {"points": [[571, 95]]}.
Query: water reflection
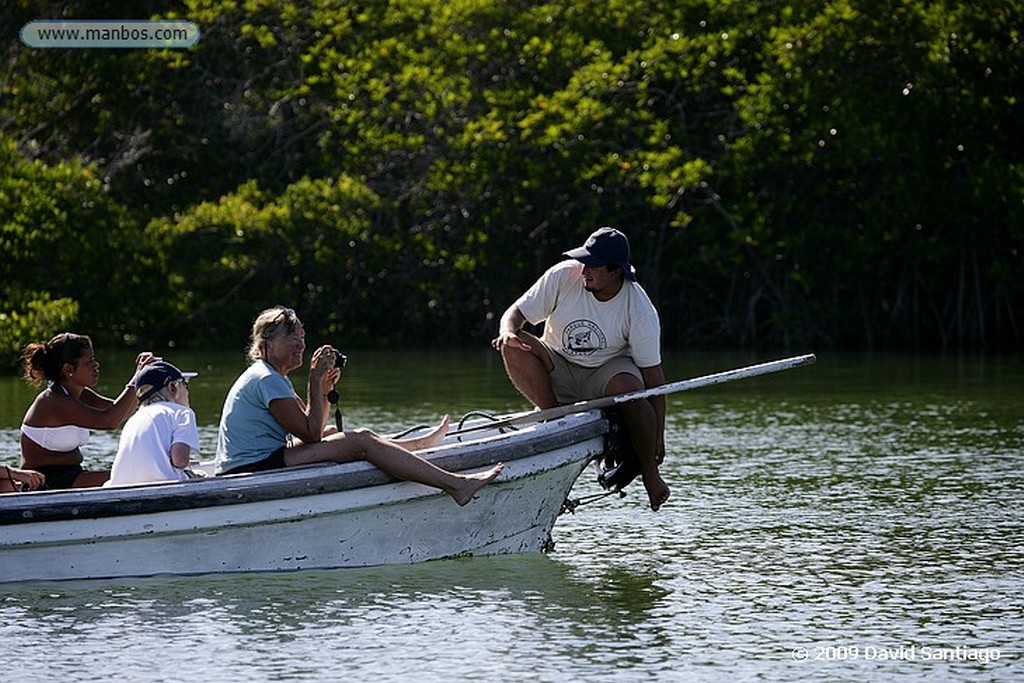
{"points": [[474, 605], [290, 601], [873, 503]]}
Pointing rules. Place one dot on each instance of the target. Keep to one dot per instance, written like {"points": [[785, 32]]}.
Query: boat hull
{"points": [[330, 516]]}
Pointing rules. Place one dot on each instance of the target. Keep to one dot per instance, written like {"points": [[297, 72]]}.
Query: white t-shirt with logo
{"points": [[589, 332], [144, 451]]}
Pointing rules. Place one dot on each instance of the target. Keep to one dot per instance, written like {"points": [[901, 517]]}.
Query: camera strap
{"points": [[333, 399]]}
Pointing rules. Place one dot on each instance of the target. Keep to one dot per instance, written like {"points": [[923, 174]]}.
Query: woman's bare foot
{"points": [[437, 436], [657, 491], [418, 443], [471, 483]]}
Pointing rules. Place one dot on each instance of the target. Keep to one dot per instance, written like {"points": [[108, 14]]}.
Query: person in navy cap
{"points": [[157, 442], [602, 337]]}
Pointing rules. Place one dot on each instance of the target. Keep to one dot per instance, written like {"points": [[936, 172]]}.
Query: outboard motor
{"points": [[618, 465]]}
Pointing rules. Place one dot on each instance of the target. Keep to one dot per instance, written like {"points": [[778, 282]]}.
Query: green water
{"points": [[859, 519]]}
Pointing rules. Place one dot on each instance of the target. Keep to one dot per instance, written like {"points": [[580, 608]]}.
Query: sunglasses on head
{"points": [[285, 316]]}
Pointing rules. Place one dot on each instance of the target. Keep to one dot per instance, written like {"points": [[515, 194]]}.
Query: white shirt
{"points": [[144, 451], [589, 332]]}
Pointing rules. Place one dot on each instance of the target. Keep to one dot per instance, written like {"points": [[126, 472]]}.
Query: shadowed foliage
{"points": [[796, 175]]}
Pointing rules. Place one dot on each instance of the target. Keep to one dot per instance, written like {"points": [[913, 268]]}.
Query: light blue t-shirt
{"points": [[248, 431]]}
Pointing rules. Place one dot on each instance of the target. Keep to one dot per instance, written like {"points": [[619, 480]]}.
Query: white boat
{"points": [[333, 516], [320, 516]]}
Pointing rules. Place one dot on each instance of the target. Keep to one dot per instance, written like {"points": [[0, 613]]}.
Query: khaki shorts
{"points": [[571, 382]]}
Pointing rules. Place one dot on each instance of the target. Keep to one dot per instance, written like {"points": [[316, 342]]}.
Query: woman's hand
{"points": [[321, 367], [30, 479], [331, 378], [144, 359], [319, 363], [141, 361]]}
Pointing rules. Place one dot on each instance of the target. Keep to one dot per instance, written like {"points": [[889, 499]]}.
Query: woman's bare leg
{"points": [[90, 479], [393, 459]]}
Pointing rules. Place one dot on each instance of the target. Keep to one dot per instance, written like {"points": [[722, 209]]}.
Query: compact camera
{"points": [[340, 359]]}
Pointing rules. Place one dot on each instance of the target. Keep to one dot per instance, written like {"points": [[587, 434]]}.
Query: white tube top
{"points": [[61, 439]]}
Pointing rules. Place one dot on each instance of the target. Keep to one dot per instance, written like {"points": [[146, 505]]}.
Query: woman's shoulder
{"points": [[258, 377], [251, 375], [46, 409], [258, 370]]}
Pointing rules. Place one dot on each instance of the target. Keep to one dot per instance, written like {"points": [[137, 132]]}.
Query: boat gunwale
{"points": [[296, 482]]}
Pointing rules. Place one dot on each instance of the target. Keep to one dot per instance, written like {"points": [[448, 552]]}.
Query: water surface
{"points": [[859, 519]]}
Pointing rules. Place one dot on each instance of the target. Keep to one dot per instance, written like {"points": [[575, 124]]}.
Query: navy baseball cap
{"points": [[155, 376], [605, 246]]}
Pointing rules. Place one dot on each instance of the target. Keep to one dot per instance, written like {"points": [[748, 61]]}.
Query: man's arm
{"points": [[508, 330]]}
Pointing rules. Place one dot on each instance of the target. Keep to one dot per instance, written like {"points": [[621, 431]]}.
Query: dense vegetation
{"points": [[801, 174]]}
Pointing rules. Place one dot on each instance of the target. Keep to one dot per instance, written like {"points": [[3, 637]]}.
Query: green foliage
{"points": [[64, 239], [311, 247], [790, 174], [35, 318]]}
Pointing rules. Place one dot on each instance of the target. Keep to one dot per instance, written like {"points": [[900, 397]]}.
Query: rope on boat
{"points": [[480, 413], [462, 422], [409, 431], [570, 504], [488, 416]]}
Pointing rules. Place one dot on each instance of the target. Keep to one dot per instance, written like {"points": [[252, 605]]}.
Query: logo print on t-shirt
{"points": [[582, 338]]}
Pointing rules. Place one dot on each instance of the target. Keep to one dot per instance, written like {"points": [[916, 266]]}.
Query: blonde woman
{"points": [[262, 410]]}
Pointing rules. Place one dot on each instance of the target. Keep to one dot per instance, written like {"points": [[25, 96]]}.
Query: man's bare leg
{"points": [[529, 371], [642, 426]]}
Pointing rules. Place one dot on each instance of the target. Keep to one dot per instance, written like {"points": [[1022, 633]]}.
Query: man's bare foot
{"points": [[471, 483], [657, 491]]}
